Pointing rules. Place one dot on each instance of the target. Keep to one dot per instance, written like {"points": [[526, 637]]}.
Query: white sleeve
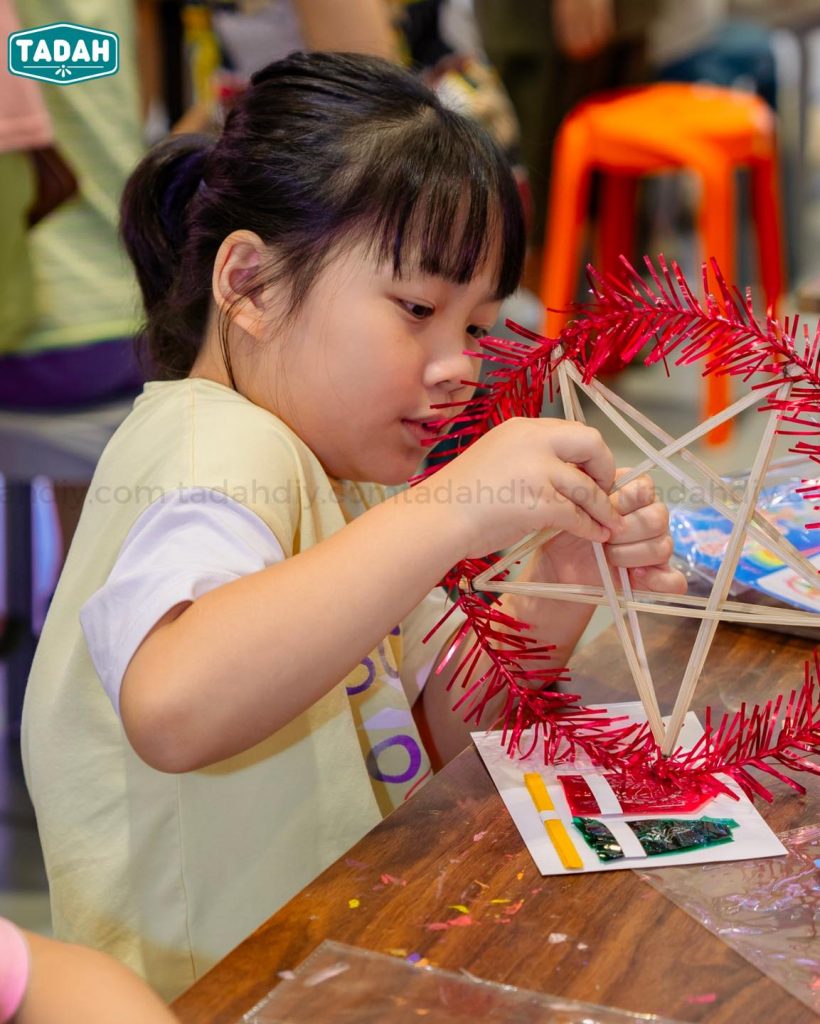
{"points": [[187, 543]]}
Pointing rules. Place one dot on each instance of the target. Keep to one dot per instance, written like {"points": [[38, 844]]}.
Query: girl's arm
{"points": [[220, 675], [74, 985]]}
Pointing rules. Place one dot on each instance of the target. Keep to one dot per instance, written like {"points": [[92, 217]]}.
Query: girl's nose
{"points": [[448, 371]]}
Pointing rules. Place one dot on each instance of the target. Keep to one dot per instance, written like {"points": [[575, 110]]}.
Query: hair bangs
{"points": [[448, 214]]}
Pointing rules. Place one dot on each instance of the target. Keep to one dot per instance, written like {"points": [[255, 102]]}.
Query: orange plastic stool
{"points": [[704, 129]]}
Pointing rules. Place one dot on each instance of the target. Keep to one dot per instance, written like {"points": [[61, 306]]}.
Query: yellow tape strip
{"points": [[563, 844], [555, 827], [538, 792]]}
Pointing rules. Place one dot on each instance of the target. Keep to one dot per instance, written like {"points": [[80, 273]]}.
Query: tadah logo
{"points": [[64, 54]]}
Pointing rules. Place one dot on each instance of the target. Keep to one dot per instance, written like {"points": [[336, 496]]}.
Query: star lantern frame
{"points": [[627, 316]]}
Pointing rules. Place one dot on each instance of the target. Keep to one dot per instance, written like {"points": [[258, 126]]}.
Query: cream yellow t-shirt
{"points": [[169, 872]]}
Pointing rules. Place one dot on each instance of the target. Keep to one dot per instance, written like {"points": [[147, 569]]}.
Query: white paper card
{"points": [[752, 839]]}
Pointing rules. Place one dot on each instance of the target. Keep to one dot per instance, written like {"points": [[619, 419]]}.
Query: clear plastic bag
{"points": [[340, 984], [700, 536], [766, 910]]}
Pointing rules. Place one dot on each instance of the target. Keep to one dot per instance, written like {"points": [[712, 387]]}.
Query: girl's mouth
{"points": [[423, 431]]}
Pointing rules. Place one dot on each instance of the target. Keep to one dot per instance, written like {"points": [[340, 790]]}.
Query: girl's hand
{"points": [[642, 545], [522, 476]]}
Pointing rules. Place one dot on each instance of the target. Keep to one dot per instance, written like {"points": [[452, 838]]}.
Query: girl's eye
{"points": [[477, 332], [416, 309]]}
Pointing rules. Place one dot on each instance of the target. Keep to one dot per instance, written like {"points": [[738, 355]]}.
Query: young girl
{"points": [[221, 701]]}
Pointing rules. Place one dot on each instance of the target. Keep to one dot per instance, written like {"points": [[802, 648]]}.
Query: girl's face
{"points": [[360, 369]]}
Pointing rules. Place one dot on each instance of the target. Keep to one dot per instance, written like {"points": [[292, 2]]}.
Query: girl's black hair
{"points": [[322, 150]]}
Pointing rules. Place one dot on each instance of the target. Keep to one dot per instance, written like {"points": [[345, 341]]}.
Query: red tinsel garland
{"points": [[626, 315]]}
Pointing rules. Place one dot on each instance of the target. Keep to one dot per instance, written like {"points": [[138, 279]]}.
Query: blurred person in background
{"points": [[254, 32], [551, 54], [72, 343], [34, 179], [69, 306]]}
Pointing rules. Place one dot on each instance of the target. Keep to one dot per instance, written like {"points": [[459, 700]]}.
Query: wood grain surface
{"points": [[454, 844]]}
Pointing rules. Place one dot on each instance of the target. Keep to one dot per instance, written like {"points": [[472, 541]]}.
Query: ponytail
{"points": [[153, 226]]}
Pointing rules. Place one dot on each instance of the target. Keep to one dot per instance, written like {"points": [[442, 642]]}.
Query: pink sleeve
{"points": [[24, 120], [14, 968]]}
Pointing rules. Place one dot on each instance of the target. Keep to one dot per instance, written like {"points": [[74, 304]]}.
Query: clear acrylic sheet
{"points": [[340, 984], [768, 911]]}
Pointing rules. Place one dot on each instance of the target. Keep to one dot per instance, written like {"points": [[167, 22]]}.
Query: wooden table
{"points": [[454, 843]]}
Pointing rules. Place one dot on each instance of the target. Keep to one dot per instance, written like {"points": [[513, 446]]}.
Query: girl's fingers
{"points": [[652, 552], [646, 523], [584, 447], [581, 490], [638, 493], [660, 579], [567, 516]]}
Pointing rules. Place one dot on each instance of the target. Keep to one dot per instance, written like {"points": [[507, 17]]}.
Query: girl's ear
{"points": [[239, 262]]}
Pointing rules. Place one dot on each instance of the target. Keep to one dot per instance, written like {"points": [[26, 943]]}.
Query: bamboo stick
{"points": [[647, 692], [760, 528], [639, 667], [676, 445], [723, 580], [755, 615]]}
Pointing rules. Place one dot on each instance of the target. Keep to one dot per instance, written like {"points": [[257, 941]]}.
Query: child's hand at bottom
{"points": [[641, 544]]}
